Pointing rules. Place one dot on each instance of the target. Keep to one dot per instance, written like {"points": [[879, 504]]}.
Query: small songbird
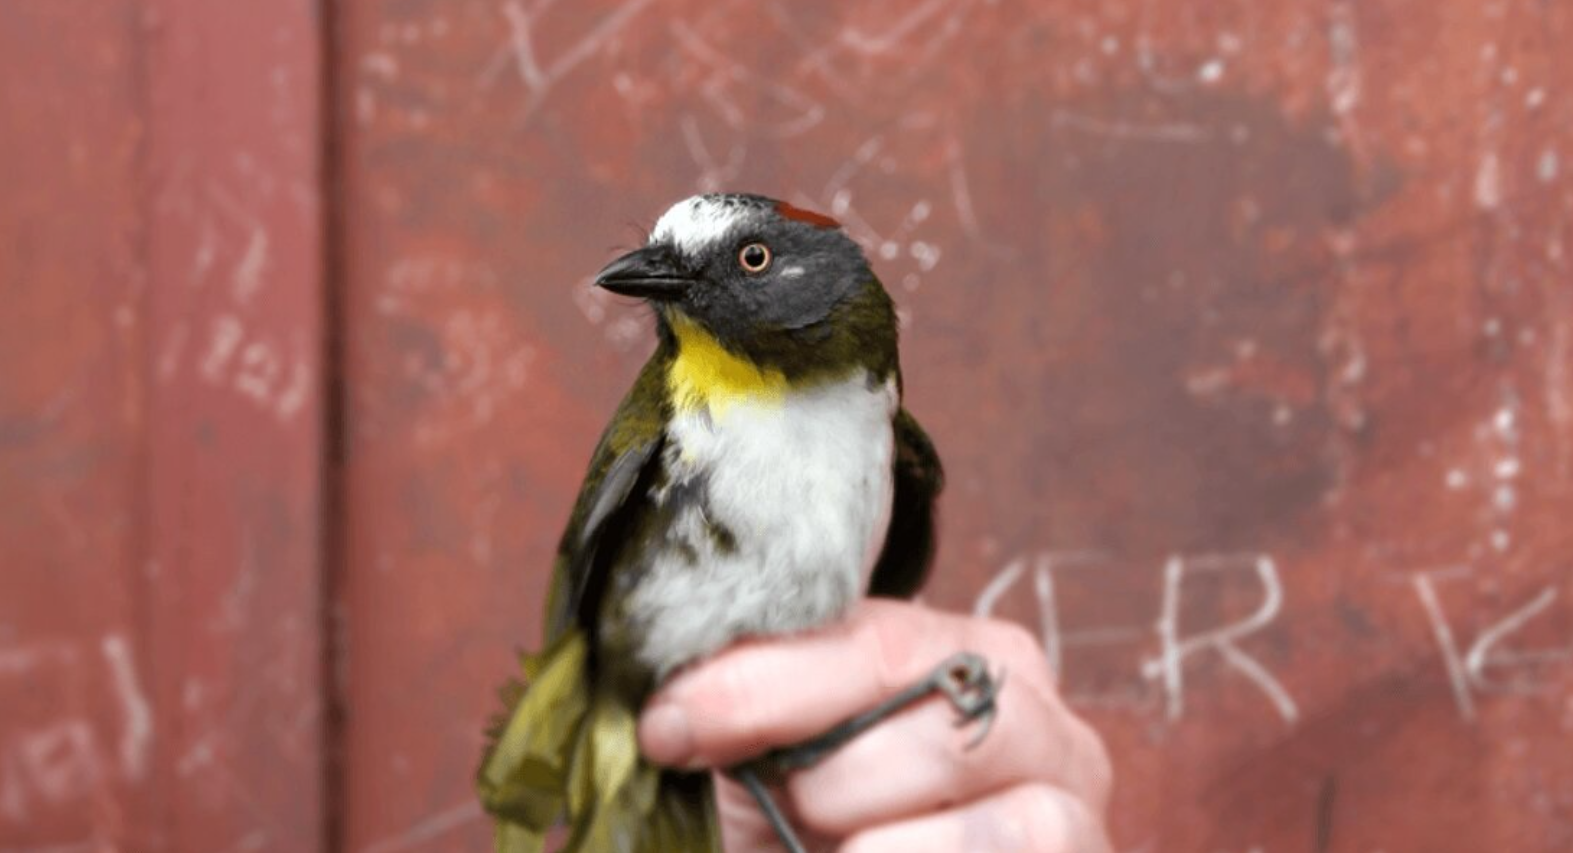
{"points": [[759, 478]]}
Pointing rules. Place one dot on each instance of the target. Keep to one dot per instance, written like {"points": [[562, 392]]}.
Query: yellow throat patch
{"points": [[705, 375]]}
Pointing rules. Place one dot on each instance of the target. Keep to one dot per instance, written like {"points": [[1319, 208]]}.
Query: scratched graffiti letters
{"points": [[53, 759], [257, 368], [1177, 646], [1497, 661], [1056, 636], [1487, 666]]}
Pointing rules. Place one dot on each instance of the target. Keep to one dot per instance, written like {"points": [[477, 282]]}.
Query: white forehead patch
{"points": [[695, 224]]}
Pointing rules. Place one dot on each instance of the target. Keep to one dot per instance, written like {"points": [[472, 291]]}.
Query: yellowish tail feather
{"points": [[566, 751]]}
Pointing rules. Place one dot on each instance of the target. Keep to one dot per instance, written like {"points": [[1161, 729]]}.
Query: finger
{"points": [[918, 762], [744, 828], [784, 690], [1032, 818]]}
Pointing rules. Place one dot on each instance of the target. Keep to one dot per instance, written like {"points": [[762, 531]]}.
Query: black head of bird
{"points": [[771, 282]]}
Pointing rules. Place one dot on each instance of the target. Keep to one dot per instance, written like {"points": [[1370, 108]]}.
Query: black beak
{"points": [[652, 273]]}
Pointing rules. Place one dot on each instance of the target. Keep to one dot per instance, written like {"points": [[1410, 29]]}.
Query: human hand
{"points": [[1038, 782]]}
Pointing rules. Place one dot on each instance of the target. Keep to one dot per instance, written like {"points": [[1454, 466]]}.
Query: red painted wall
{"points": [[1246, 332], [161, 394]]}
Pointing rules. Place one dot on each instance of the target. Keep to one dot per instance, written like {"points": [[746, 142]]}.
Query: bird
{"points": [[759, 478]]}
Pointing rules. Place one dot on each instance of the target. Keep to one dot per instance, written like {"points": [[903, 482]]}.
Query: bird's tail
{"points": [[568, 750]]}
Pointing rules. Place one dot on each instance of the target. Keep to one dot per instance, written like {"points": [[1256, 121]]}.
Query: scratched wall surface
{"points": [[160, 665], [1246, 331]]}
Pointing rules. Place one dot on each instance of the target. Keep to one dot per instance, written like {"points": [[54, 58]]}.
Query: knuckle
{"points": [[894, 642], [1017, 648], [816, 807], [729, 701], [1019, 653]]}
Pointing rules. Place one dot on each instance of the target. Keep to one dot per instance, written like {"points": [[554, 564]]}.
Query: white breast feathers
{"points": [[779, 512]]}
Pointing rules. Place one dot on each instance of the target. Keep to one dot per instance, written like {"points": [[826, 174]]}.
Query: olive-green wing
{"points": [[630, 444], [564, 750], [909, 543]]}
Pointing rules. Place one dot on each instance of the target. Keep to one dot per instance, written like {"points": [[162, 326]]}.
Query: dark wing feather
{"points": [[567, 748], [630, 444], [909, 544]]}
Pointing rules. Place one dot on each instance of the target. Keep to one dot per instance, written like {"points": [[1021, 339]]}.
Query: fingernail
{"points": [[664, 732]]}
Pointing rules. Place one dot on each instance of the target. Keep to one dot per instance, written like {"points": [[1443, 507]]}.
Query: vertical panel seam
{"points": [[333, 509]]}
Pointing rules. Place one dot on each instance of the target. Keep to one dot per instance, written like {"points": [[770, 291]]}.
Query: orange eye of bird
{"points": [[754, 258]]}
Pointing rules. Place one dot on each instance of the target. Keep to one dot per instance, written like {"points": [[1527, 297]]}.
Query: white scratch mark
{"points": [[1559, 388], [926, 254], [258, 371], [223, 341], [1457, 676], [521, 48], [1049, 614], [808, 112], [62, 759], [883, 42], [1546, 167], [382, 64], [1480, 656], [524, 49], [997, 587], [597, 38], [428, 828], [1171, 132], [138, 734], [849, 168], [1488, 181], [1343, 77], [1053, 636], [196, 757], [1169, 664], [206, 254], [1504, 498], [18, 661], [713, 176], [292, 397], [961, 194]]}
